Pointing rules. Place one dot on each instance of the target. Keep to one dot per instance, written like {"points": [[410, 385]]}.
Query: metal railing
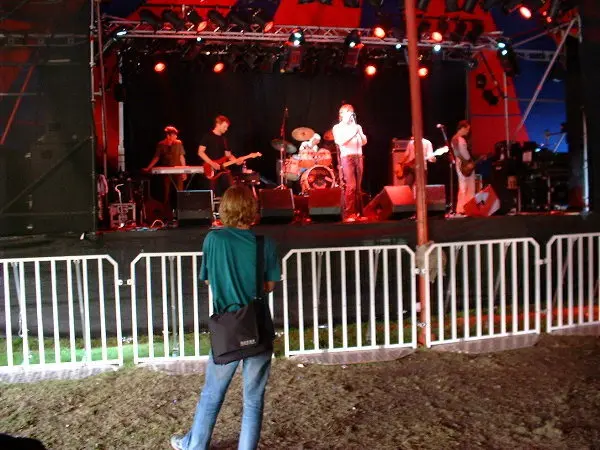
{"points": [[487, 289], [60, 311], [359, 298], [572, 281]]}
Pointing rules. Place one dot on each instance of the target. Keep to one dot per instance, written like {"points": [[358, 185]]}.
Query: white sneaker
{"points": [[177, 442]]}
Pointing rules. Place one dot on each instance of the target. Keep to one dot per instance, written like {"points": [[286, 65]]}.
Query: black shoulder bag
{"points": [[249, 331]]}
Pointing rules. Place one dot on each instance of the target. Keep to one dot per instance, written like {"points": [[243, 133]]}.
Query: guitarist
{"points": [[405, 169], [214, 150], [466, 180]]}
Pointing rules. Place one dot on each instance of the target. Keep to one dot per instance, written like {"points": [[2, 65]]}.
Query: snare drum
{"points": [[307, 158], [317, 177], [291, 169], [324, 157]]}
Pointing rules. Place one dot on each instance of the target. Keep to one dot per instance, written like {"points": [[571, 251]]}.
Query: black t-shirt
{"points": [[215, 145]]}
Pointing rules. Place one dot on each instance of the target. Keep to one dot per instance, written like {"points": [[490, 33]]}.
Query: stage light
{"points": [[553, 10], [480, 80], [236, 19], [379, 32], [501, 43], [353, 39], [437, 48], [476, 31], [525, 12], [217, 18], [120, 33], [436, 36], [508, 60], [219, 67], [370, 70], [296, 38], [469, 6], [422, 5], [452, 6], [398, 46], [423, 72], [196, 19], [352, 3], [160, 67], [147, 16], [171, 17], [199, 40], [423, 29], [511, 5], [490, 97], [263, 21], [460, 29]]}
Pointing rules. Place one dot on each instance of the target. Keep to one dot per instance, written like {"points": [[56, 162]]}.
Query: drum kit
{"points": [[311, 167]]}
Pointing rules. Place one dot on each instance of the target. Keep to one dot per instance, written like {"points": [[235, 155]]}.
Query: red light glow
{"points": [[160, 67], [268, 27], [202, 26], [379, 32], [219, 67], [525, 12], [423, 72], [370, 70], [437, 36]]}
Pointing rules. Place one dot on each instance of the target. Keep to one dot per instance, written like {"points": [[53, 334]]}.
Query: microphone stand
{"points": [[281, 149], [451, 163]]}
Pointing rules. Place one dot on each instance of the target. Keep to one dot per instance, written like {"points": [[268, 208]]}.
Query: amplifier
{"points": [[121, 214], [195, 206]]}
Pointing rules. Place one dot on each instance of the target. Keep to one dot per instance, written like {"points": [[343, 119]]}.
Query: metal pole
{"points": [[415, 96], [102, 91], [586, 168], [538, 89], [17, 104], [93, 125], [506, 124], [121, 147]]}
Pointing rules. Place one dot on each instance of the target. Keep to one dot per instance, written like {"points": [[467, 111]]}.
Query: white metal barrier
{"points": [[572, 278], [335, 317], [487, 289], [60, 311]]}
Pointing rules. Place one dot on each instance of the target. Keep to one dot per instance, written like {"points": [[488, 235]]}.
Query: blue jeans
{"points": [[255, 371]]}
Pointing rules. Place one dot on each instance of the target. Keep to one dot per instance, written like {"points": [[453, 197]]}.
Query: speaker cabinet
{"points": [[276, 204], [195, 206], [436, 199], [398, 154], [392, 201], [325, 203], [484, 204]]}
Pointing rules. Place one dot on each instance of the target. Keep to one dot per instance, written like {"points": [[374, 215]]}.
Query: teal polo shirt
{"points": [[229, 264]]}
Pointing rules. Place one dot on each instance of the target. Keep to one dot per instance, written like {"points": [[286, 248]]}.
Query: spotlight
{"points": [[296, 38], [452, 6], [265, 23], [370, 70], [217, 18], [490, 97], [442, 29], [193, 17], [501, 44], [120, 33], [469, 6], [423, 29], [423, 72], [476, 31], [508, 60], [171, 17], [236, 19], [219, 67], [199, 40], [459, 32], [422, 5], [147, 16], [379, 32], [480, 80], [437, 48], [398, 46], [553, 10], [353, 39], [160, 67], [525, 12], [436, 36], [352, 3]]}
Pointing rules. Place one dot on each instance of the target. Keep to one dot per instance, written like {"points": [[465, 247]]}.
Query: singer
{"points": [[349, 137]]}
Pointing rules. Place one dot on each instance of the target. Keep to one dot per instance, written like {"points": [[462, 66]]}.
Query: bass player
{"points": [[464, 166]]}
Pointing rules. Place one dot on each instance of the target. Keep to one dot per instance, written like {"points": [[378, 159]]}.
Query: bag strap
{"points": [[260, 264]]}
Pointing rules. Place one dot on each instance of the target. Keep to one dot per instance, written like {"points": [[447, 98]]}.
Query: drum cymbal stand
{"points": [[282, 150]]}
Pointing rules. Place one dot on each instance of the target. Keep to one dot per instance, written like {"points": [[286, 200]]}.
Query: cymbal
{"points": [[303, 133], [287, 146], [328, 136]]}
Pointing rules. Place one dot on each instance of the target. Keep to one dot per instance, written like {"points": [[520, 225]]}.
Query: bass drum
{"points": [[317, 177]]}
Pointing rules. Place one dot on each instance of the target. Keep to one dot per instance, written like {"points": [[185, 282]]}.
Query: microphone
{"points": [[286, 111], [439, 125]]}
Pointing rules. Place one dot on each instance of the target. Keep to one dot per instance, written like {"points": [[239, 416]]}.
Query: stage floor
{"points": [[123, 246]]}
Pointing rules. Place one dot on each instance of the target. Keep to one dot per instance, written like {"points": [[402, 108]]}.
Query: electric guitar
{"points": [[467, 166], [399, 168], [224, 162]]}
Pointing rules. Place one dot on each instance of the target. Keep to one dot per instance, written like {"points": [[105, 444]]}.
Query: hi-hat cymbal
{"points": [[303, 133], [287, 146], [328, 136]]}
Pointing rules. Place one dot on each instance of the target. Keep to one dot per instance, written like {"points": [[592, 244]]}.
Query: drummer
{"points": [[312, 145]]}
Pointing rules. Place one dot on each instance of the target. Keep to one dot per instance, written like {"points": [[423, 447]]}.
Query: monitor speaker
{"points": [[276, 204], [195, 206], [484, 204], [325, 203], [392, 201]]}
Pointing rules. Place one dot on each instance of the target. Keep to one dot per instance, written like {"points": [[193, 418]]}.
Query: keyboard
{"points": [[176, 170]]}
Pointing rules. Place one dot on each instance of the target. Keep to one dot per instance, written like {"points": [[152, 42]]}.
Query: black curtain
{"points": [[190, 99]]}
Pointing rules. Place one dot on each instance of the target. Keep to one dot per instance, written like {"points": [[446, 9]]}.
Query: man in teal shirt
{"points": [[229, 267]]}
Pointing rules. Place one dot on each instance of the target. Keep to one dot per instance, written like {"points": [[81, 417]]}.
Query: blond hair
{"points": [[238, 207]]}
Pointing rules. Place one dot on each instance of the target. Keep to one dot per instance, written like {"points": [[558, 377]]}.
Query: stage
{"points": [[123, 246]]}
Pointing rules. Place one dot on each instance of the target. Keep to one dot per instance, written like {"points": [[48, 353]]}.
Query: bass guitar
{"points": [[224, 162], [467, 166], [399, 168]]}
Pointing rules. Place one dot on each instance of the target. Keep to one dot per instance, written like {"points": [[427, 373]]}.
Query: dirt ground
{"points": [[543, 397]]}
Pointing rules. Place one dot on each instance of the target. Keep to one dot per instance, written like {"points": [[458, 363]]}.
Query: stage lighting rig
{"points": [[261, 19], [508, 59], [196, 19], [460, 30], [217, 18], [353, 40], [296, 39], [476, 31], [147, 16], [235, 18], [171, 17]]}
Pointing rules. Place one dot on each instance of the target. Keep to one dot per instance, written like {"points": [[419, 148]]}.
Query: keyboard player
{"points": [[169, 153]]}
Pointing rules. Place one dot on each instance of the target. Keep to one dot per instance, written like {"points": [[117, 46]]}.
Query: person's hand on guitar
{"points": [[215, 165]]}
